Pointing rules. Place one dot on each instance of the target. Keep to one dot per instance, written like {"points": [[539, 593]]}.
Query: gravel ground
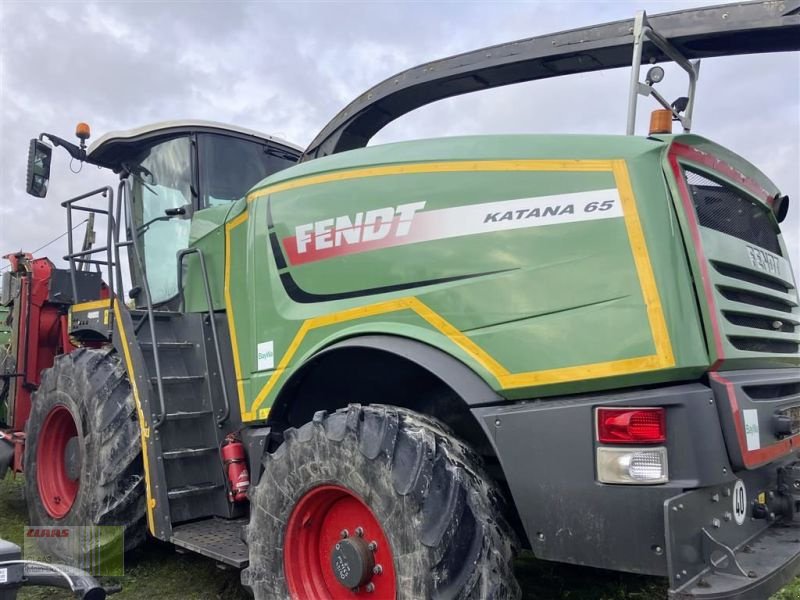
{"points": [[158, 571]]}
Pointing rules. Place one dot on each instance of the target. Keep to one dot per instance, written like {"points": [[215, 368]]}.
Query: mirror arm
{"points": [[74, 151]]}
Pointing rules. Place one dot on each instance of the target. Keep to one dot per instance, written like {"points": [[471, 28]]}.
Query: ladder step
{"points": [[187, 452], [157, 314], [167, 345], [175, 379], [188, 415], [192, 490]]}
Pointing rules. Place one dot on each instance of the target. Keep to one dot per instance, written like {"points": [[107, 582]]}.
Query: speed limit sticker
{"points": [[739, 502]]}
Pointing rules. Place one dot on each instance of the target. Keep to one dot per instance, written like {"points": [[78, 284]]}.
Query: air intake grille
{"points": [[726, 210]]}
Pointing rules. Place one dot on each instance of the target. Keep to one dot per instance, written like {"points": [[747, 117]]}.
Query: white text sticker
{"points": [[266, 356], [751, 429]]}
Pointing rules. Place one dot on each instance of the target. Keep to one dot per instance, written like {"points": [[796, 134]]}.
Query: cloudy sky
{"points": [[286, 68]]}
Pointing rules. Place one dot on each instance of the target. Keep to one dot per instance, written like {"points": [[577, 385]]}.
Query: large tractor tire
{"points": [[377, 502], [83, 458]]}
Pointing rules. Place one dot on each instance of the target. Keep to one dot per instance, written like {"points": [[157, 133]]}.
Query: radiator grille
{"points": [[726, 210]]}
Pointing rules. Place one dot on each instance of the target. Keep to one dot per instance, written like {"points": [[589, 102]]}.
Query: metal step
{"points": [[189, 414], [157, 314], [167, 345], [177, 379], [220, 539], [192, 490], [187, 452]]}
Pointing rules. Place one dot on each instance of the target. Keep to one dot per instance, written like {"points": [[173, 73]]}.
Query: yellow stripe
{"points": [[663, 358], [91, 305], [454, 166], [233, 223], [644, 268], [145, 430]]}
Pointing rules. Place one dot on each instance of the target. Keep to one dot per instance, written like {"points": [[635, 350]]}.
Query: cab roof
{"points": [[108, 149]]}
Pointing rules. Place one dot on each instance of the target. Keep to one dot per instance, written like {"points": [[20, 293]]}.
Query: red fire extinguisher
{"points": [[235, 462]]}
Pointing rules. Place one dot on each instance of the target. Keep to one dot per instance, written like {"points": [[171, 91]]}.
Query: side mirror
{"points": [[39, 157], [780, 206]]}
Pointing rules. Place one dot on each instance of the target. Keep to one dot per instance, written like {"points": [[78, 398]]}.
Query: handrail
{"points": [[209, 303], [158, 418], [107, 192]]}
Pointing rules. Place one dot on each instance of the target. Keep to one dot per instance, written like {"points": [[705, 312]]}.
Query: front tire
{"points": [[83, 463], [380, 500]]}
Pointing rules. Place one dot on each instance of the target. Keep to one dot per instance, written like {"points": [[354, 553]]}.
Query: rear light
{"points": [[645, 466], [631, 426]]}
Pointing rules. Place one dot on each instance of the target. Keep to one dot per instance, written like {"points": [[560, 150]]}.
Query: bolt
{"points": [[715, 497], [728, 516], [727, 492], [658, 550], [497, 422], [377, 570], [540, 536], [344, 534], [724, 471], [772, 516], [678, 576], [752, 574], [771, 494], [796, 484], [360, 531], [711, 401], [716, 523], [373, 546], [370, 587]]}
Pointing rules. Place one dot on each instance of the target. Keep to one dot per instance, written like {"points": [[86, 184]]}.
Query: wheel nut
{"points": [[373, 546], [344, 533], [360, 531], [377, 570], [370, 587]]}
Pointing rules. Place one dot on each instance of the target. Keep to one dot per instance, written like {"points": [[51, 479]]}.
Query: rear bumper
{"points": [[769, 562], [699, 539], [711, 556]]}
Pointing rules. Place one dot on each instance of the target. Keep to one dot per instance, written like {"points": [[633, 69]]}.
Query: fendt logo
{"points": [[364, 231], [410, 224]]}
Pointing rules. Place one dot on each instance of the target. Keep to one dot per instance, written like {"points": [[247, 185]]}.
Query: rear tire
{"points": [[428, 495], [85, 398]]}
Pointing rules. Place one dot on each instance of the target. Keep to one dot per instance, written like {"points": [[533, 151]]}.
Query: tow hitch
{"points": [[735, 541]]}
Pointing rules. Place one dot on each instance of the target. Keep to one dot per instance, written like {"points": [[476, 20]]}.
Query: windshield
{"points": [[163, 182]]}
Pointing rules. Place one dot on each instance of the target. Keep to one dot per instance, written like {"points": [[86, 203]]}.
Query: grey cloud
{"points": [[286, 68]]}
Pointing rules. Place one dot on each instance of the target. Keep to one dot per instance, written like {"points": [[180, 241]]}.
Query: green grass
{"points": [[157, 571]]}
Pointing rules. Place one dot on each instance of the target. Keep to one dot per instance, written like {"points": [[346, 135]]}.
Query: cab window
{"points": [[230, 166]]}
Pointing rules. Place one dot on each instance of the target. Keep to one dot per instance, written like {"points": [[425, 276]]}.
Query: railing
{"points": [[210, 306], [82, 256]]}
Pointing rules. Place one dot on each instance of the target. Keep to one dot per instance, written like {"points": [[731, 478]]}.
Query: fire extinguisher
{"points": [[235, 462]]}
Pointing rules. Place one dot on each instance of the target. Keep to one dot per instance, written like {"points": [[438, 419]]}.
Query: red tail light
{"points": [[631, 425]]}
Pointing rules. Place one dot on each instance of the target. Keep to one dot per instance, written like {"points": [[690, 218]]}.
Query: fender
{"points": [[464, 382]]}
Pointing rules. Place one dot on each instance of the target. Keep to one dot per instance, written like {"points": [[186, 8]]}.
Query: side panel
{"points": [[548, 456], [526, 270]]}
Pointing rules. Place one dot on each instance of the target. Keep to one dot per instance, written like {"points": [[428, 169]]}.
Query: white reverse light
{"points": [[632, 465]]}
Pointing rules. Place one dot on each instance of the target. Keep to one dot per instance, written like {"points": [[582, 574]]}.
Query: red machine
{"points": [[39, 297]]}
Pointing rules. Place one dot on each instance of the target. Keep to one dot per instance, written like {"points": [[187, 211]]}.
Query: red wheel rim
{"points": [[56, 489], [315, 536]]}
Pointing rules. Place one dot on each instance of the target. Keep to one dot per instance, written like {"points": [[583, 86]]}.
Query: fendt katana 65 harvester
{"points": [[378, 372]]}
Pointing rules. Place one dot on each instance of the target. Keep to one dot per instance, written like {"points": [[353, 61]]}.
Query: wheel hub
{"points": [[336, 548], [57, 458], [352, 562]]}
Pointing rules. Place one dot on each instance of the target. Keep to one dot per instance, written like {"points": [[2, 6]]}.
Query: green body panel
{"points": [[535, 311], [207, 234], [718, 248]]}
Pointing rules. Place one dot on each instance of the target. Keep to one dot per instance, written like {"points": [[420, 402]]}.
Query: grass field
{"points": [[158, 571]]}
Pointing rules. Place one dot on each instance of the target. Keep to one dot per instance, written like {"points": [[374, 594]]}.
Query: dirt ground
{"points": [[158, 571]]}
